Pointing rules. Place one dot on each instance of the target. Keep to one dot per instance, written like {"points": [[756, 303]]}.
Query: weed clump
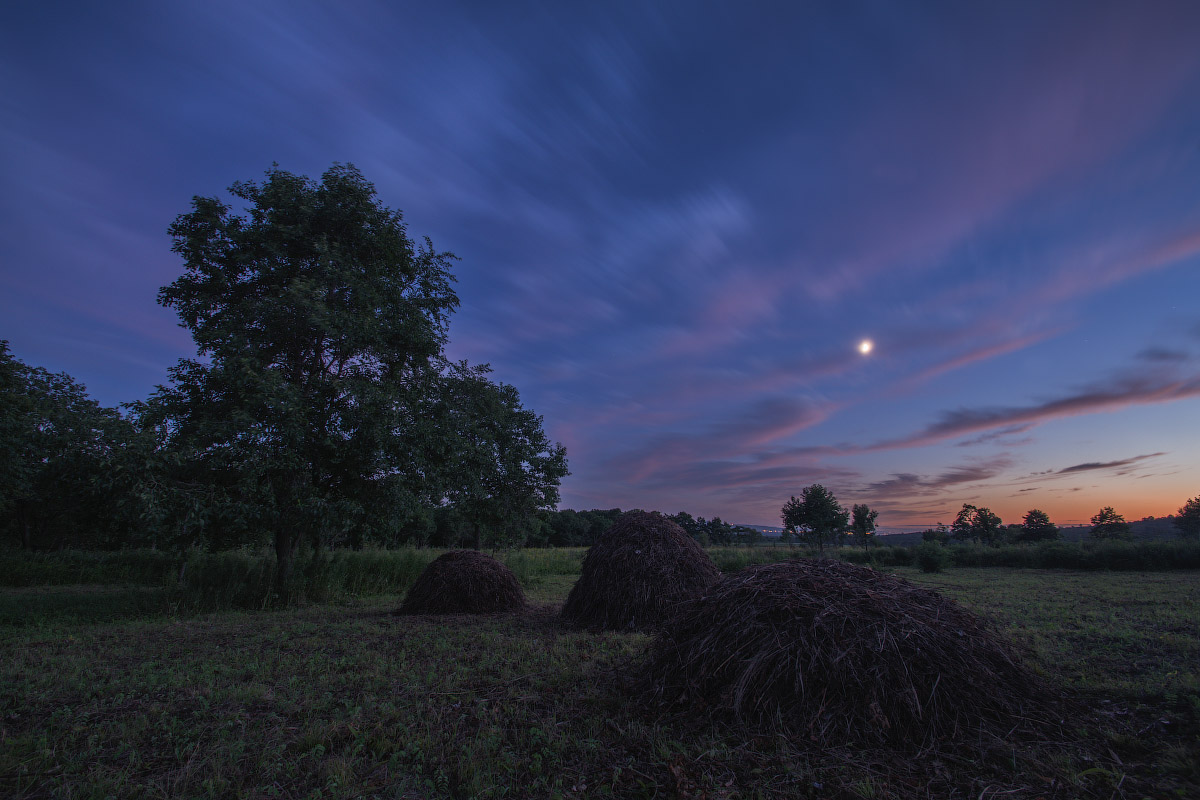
{"points": [[635, 575], [464, 582], [838, 654]]}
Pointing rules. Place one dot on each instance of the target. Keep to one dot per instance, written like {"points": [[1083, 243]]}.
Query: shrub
{"points": [[932, 557]]}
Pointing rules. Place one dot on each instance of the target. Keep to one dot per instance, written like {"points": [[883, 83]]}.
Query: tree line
{"points": [[817, 518]]}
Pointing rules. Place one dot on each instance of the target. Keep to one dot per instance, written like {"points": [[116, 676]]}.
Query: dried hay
{"points": [[464, 582], [637, 572], [841, 654]]}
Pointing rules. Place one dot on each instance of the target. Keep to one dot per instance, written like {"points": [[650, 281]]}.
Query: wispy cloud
{"points": [[1107, 465], [1122, 392]]}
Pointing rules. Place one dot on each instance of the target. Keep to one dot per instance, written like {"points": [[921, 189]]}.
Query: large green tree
{"points": [[816, 516], [318, 321]]}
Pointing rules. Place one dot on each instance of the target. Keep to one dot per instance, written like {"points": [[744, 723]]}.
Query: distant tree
{"points": [[686, 521], [862, 523], [720, 531], [747, 535], [1108, 524], [976, 524], [817, 516], [1187, 523], [938, 534], [568, 528], [319, 320], [1036, 527]]}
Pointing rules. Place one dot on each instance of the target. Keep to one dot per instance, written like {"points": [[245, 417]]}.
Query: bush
{"points": [[932, 557]]}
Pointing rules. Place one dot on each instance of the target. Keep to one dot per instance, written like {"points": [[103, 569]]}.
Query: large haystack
{"points": [[464, 582], [840, 654], [634, 576]]}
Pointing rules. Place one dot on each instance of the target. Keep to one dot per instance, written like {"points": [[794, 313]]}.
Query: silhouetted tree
{"points": [[1187, 522], [817, 516], [862, 523], [1036, 527], [976, 524], [1108, 524]]}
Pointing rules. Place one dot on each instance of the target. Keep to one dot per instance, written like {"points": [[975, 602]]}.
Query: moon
{"points": [[866, 346]]}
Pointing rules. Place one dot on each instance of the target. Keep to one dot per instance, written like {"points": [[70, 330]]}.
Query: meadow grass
{"points": [[344, 699]]}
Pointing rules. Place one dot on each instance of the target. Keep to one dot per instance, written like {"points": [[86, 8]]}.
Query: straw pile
{"points": [[840, 654], [464, 582], [636, 573]]}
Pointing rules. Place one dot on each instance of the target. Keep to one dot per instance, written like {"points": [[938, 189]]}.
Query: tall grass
{"points": [[531, 565], [1139, 556], [69, 567], [213, 581]]}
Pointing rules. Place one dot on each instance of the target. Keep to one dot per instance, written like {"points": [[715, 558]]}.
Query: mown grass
{"points": [[344, 699]]}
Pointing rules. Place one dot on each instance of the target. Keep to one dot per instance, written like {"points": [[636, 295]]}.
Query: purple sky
{"points": [[677, 223]]}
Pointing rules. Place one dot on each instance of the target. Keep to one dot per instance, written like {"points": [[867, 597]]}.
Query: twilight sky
{"points": [[676, 223]]}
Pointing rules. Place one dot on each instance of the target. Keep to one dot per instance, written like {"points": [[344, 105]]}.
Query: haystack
{"points": [[464, 582], [839, 654], [634, 576]]}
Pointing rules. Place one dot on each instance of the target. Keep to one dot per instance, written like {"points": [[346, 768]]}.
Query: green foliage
{"points": [[492, 463], [1187, 522], [816, 516], [320, 321], [931, 557], [1108, 524], [325, 412], [59, 453]]}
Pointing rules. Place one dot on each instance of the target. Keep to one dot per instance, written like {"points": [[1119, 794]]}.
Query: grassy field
{"points": [[102, 694]]}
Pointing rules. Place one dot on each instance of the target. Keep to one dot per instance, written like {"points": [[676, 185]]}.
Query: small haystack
{"points": [[464, 582], [634, 576], [840, 654]]}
